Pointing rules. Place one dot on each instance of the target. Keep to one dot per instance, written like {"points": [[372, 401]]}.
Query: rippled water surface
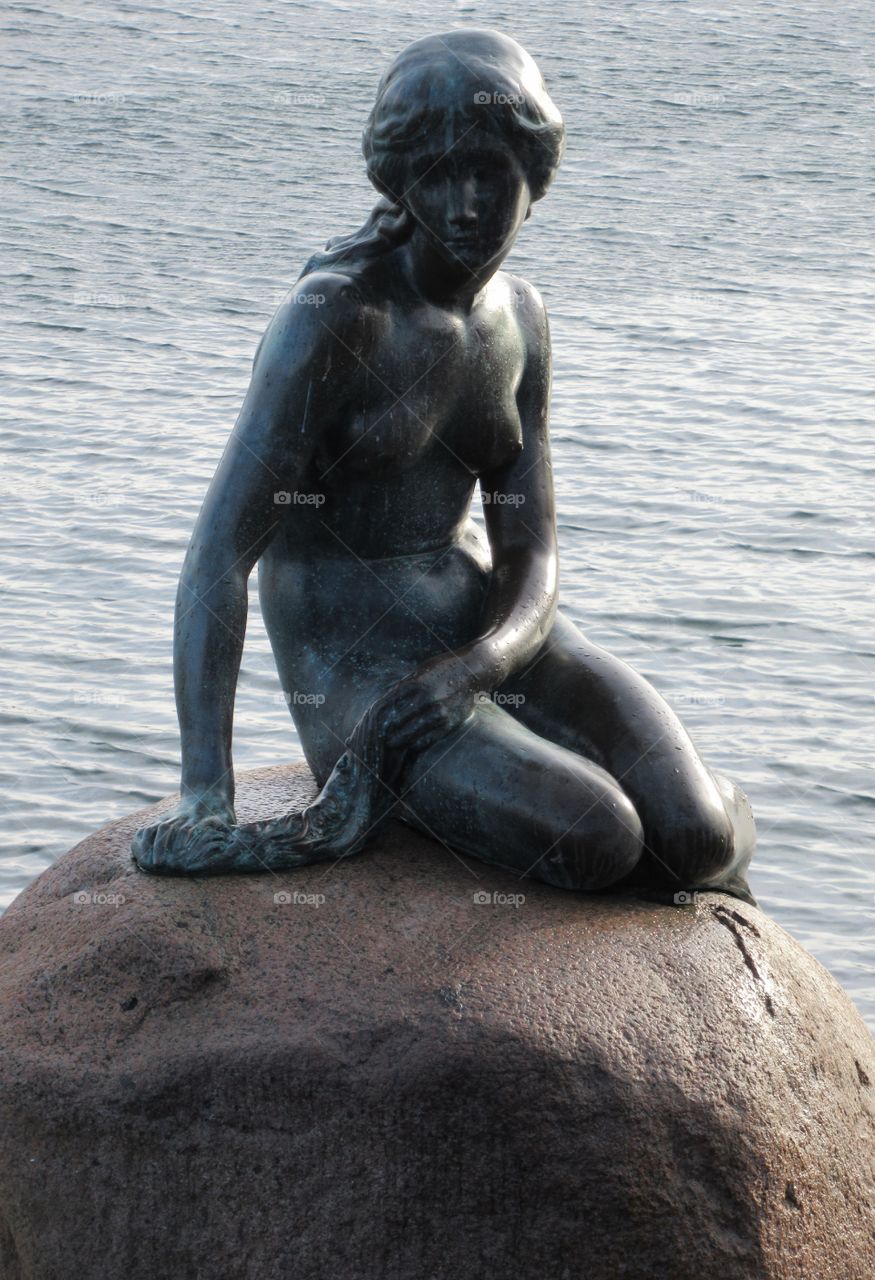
{"points": [[706, 258]]}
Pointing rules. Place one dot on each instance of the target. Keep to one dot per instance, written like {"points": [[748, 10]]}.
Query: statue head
{"points": [[443, 86], [454, 94]]}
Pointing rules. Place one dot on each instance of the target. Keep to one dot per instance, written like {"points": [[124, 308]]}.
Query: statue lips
{"points": [[469, 246]]}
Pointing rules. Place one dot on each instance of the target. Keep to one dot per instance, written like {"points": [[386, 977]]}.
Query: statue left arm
{"points": [[521, 600]]}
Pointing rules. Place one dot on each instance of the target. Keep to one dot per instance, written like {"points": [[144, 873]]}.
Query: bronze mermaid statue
{"points": [[430, 675]]}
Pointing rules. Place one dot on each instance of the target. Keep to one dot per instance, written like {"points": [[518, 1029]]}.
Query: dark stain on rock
{"points": [[452, 997], [861, 1074], [790, 1196]]}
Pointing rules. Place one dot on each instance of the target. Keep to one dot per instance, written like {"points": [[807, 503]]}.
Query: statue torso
{"points": [[376, 564], [422, 403]]}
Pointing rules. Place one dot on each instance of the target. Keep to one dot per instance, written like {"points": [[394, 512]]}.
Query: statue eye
{"points": [[430, 169]]}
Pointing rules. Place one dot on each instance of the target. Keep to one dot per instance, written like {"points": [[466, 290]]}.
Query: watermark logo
{"points": [[302, 298], [699, 699], [100, 498], [483, 97], [483, 898], [103, 99], [282, 498], [295, 898], [97, 698], [299, 98], [301, 698], [83, 898], [497, 499], [702, 499], [99, 300], [502, 699], [699, 98]]}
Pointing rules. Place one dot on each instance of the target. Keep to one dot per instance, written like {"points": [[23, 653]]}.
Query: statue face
{"points": [[469, 200]]}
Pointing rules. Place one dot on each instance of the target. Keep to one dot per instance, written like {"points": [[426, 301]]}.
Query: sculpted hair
{"points": [[434, 90]]}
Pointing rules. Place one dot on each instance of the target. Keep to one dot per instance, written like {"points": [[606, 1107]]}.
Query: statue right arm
{"points": [[268, 451]]}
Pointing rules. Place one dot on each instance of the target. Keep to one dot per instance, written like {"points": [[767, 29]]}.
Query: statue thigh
{"points": [[578, 695], [498, 791]]}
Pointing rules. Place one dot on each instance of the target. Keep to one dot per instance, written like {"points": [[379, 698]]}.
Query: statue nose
{"points": [[464, 211]]}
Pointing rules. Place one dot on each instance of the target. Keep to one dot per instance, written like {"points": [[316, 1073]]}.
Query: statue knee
{"points": [[698, 846], [603, 846]]}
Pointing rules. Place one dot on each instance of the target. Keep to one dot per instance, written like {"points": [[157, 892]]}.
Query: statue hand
{"points": [[427, 705], [186, 839]]}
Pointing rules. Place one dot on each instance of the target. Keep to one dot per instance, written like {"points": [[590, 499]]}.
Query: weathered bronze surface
{"points": [[427, 668]]}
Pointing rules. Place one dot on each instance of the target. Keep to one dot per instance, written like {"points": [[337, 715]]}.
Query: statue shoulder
{"points": [[322, 308], [526, 301], [530, 315], [331, 292]]}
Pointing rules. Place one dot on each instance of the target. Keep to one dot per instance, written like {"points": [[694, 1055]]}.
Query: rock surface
{"points": [[376, 1075]]}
